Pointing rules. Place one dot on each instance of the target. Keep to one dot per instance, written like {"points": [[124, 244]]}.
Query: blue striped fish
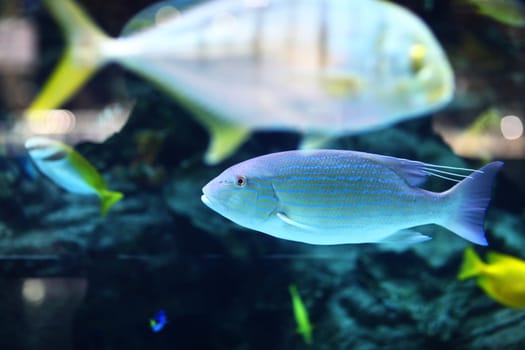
{"points": [[339, 197], [70, 170], [323, 68]]}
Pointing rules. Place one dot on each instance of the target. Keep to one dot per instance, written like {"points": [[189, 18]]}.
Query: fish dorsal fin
{"points": [[411, 171], [284, 218], [494, 258], [415, 173], [156, 13]]}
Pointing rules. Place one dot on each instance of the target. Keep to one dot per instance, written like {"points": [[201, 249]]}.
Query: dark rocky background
{"points": [[224, 287]]}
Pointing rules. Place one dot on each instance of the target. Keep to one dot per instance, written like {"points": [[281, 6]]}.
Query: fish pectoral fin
{"points": [[226, 138], [284, 218], [405, 236]]}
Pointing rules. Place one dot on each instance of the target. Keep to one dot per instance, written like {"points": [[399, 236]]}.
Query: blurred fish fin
{"points": [[292, 288], [284, 218], [108, 199], [82, 57], [313, 141], [493, 258], [471, 266], [157, 12], [226, 138], [66, 79], [473, 194], [405, 236]]}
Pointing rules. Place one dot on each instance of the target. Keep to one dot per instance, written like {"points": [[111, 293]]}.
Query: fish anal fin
{"points": [[287, 220], [406, 237], [226, 138], [314, 141]]}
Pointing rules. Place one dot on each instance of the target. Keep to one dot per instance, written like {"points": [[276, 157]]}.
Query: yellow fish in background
{"points": [[304, 327], [491, 135], [502, 277], [324, 68], [510, 12], [70, 170]]}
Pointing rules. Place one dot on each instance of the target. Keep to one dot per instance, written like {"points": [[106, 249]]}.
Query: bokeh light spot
{"points": [[511, 127], [34, 290]]}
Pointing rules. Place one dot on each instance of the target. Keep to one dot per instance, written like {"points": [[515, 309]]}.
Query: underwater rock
{"points": [[397, 301], [55, 222], [182, 195], [508, 229]]}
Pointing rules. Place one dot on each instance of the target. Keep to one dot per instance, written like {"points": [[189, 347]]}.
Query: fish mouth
{"points": [[206, 200]]}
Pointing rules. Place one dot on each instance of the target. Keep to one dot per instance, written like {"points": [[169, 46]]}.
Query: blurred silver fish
{"points": [[339, 197], [320, 67]]}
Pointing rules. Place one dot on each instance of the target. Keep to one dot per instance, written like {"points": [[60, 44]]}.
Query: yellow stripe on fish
{"points": [[339, 197], [322, 67], [70, 170]]}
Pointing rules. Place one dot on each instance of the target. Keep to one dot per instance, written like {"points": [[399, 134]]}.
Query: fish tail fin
{"points": [[471, 266], [81, 59], [473, 196], [108, 199]]}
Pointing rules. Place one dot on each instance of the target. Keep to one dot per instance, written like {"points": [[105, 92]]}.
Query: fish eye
{"points": [[417, 56], [240, 181]]}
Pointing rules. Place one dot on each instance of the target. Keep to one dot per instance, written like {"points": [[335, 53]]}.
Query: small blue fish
{"points": [[158, 321], [339, 197], [70, 170]]}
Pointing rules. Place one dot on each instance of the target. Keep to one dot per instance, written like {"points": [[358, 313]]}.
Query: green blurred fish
{"points": [[320, 67], [70, 170], [510, 12], [304, 327], [340, 197], [502, 277]]}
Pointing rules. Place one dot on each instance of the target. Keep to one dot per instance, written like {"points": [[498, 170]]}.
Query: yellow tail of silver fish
{"points": [[81, 58]]}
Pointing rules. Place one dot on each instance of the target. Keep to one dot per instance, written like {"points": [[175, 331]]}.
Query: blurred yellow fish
{"points": [[320, 67], [70, 170], [304, 327], [510, 12], [502, 278], [491, 135]]}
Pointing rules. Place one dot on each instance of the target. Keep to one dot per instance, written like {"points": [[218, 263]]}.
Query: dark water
{"points": [[70, 279]]}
